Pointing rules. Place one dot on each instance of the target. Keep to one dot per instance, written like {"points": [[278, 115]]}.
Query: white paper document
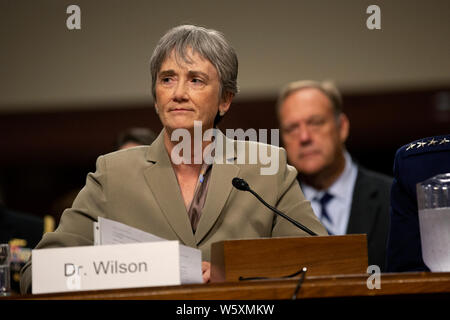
{"points": [[122, 257], [113, 232]]}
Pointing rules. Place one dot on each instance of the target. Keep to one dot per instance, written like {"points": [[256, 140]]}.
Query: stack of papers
{"points": [[107, 231]]}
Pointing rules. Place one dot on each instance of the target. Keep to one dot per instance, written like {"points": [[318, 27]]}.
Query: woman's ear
{"points": [[225, 104]]}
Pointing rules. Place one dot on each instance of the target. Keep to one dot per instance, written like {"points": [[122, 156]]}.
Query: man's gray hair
{"points": [[210, 44], [328, 88]]}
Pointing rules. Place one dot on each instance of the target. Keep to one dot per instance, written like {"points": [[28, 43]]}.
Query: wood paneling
{"points": [[46, 154]]}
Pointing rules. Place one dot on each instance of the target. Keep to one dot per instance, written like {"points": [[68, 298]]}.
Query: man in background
{"points": [[128, 138], [135, 136], [347, 198]]}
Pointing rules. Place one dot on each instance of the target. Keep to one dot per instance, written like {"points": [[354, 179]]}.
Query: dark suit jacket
{"points": [[414, 163], [19, 225], [370, 213]]}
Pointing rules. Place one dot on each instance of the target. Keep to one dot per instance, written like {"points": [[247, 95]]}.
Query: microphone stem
{"points": [[283, 215]]}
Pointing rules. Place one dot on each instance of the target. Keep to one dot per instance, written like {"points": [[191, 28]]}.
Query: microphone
{"points": [[242, 185]]}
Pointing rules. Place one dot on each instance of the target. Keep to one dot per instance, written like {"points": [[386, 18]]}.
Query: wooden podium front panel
{"points": [[278, 257]]}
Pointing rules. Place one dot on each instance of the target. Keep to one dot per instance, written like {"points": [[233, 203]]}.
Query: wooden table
{"points": [[423, 284]]}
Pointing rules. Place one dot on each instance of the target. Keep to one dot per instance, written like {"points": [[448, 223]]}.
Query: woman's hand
{"points": [[206, 271]]}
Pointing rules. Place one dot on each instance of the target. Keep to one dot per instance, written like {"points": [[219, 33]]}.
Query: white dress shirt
{"points": [[339, 206]]}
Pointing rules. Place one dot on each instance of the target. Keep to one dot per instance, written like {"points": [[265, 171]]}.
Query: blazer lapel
{"points": [[364, 208], [164, 185], [219, 188]]}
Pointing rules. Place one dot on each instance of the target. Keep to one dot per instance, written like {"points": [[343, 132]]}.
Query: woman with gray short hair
{"points": [[182, 190]]}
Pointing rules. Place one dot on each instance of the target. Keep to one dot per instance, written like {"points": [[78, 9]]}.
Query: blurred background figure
{"points": [[414, 163], [128, 138], [134, 137], [346, 197], [19, 225], [22, 231]]}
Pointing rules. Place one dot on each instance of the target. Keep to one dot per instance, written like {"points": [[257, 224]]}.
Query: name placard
{"points": [[114, 266]]}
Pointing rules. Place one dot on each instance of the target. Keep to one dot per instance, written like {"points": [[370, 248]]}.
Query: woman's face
{"points": [[188, 92]]}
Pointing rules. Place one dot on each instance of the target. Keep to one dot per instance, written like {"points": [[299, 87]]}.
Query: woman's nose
{"points": [[180, 92]]}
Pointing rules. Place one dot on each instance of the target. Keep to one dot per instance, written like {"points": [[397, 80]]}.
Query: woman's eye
{"points": [[197, 81]]}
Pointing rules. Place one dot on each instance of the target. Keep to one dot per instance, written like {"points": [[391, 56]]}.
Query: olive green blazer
{"points": [[138, 187]]}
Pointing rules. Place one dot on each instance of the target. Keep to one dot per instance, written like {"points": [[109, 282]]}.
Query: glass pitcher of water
{"points": [[433, 199]]}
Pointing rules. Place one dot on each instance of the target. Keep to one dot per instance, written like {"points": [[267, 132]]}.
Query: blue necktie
{"points": [[323, 204]]}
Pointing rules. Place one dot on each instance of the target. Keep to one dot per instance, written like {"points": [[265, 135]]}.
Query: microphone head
{"points": [[240, 184]]}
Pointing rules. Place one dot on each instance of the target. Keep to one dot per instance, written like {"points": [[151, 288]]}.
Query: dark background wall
{"points": [[46, 155]]}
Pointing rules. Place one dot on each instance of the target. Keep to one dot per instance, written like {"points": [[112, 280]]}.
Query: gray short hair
{"points": [[328, 88], [210, 44]]}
